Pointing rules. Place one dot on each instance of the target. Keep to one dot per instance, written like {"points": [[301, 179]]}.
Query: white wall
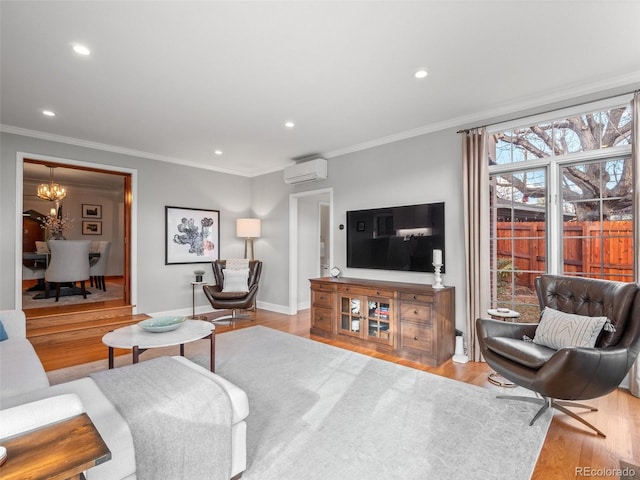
{"points": [[270, 202]]}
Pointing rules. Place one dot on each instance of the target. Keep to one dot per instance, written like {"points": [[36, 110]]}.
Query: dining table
{"points": [[44, 257]]}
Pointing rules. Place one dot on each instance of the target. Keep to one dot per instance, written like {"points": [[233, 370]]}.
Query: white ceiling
{"points": [[176, 80]]}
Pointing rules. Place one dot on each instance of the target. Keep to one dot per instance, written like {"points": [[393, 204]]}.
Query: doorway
{"points": [[310, 241], [100, 203]]}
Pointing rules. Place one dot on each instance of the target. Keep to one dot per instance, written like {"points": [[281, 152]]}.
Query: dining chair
{"points": [[69, 263], [98, 266]]}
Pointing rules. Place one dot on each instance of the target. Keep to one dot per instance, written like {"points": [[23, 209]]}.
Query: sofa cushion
{"points": [[229, 295], [20, 369], [525, 353], [15, 323], [559, 329]]}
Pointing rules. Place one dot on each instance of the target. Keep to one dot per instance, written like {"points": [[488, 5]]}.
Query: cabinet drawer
{"points": [[321, 298], [416, 297], [364, 291], [321, 318], [417, 337], [322, 287], [416, 313]]}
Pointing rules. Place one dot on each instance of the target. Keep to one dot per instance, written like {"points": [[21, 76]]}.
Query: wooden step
{"points": [[46, 319], [64, 339], [54, 325], [56, 334]]}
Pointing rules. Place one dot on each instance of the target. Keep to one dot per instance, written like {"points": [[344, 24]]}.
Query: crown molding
{"points": [[112, 148], [630, 81]]}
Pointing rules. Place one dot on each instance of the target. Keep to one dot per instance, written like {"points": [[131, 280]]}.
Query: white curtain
{"points": [[634, 374], [475, 168]]}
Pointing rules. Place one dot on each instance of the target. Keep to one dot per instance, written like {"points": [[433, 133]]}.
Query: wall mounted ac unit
{"points": [[306, 171]]}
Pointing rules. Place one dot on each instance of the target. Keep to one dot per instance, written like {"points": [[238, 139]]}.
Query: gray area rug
{"points": [[318, 412], [114, 292]]}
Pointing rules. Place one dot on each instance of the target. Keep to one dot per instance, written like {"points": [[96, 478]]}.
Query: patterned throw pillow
{"points": [[558, 329], [236, 280]]}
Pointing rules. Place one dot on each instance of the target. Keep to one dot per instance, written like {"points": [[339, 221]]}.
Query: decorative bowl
{"points": [[161, 324]]}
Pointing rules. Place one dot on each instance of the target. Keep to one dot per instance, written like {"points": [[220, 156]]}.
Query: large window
{"points": [[561, 202]]}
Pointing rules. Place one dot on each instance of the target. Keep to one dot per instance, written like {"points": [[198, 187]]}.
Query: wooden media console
{"points": [[411, 320]]}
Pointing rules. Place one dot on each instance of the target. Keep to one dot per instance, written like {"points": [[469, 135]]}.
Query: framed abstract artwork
{"points": [[192, 235]]}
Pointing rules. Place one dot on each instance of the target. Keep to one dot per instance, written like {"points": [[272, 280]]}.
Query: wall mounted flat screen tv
{"points": [[395, 238]]}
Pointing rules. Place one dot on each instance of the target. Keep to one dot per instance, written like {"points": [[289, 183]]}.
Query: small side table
{"points": [[40, 453], [193, 302], [504, 314]]}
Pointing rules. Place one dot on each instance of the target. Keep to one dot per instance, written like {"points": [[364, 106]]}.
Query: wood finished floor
{"points": [[570, 451]]}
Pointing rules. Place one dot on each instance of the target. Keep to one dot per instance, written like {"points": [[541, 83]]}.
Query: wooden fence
{"points": [[593, 249]]}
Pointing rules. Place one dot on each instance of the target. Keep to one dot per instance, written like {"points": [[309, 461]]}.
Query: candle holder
{"points": [[438, 277]]}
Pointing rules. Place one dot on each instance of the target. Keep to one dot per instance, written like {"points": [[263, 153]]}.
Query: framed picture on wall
{"points": [[192, 235], [91, 228], [91, 211]]}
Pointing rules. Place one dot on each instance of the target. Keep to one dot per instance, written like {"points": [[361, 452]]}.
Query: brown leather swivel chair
{"points": [[571, 373], [233, 301]]}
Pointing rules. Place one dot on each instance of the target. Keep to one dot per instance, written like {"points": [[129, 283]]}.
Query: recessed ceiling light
{"points": [[48, 113], [81, 49], [420, 74], [289, 124], [218, 152]]}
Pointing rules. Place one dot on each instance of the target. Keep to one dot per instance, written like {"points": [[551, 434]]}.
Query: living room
{"points": [[414, 161]]}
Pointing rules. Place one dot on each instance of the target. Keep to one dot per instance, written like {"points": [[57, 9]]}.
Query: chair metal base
{"points": [[231, 318], [560, 405]]}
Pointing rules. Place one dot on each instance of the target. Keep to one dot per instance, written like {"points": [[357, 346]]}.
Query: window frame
{"points": [[553, 166]]}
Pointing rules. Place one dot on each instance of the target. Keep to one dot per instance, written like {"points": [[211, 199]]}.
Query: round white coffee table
{"points": [[138, 340]]}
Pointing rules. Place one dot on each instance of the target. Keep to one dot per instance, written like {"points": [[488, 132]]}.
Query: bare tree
{"points": [[610, 180]]}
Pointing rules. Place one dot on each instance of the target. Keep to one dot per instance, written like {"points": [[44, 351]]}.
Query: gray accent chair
{"points": [[562, 376], [69, 263]]}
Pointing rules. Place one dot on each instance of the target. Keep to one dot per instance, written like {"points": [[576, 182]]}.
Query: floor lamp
{"points": [[249, 229]]}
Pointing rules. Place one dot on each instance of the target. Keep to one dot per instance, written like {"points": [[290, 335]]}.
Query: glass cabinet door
{"points": [[351, 315], [379, 319]]}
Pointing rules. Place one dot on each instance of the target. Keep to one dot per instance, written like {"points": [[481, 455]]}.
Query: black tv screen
{"points": [[395, 238]]}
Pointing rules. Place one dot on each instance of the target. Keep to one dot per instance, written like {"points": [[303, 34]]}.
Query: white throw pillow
{"points": [[558, 329], [236, 280]]}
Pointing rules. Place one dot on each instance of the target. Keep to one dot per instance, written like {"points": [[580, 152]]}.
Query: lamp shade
{"points": [[248, 227]]}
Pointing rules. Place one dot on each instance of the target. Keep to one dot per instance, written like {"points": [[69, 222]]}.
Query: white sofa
{"points": [[23, 381]]}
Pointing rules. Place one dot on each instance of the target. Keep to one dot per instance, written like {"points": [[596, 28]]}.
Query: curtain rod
{"points": [[466, 130]]}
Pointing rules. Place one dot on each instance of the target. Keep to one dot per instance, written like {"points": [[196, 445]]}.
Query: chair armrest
{"points": [[497, 328], [606, 367], [29, 416]]}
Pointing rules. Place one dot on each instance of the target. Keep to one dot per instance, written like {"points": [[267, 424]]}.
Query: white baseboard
{"points": [[187, 312]]}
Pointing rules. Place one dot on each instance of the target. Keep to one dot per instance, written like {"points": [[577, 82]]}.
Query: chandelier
{"points": [[51, 191]]}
